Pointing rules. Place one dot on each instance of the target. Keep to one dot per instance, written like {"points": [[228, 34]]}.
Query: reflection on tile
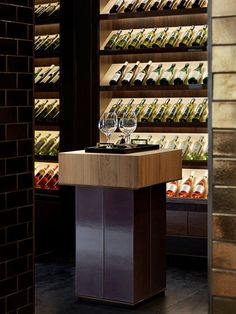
{"points": [[224, 86], [224, 227], [223, 8], [224, 143], [223, 305], [224, 283], [224, 115], [224, 172], [224, 255], [223, 58], [224, 199]]}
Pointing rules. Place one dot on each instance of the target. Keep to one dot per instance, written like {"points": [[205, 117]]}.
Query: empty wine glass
{"points": [[128, 124], [108, 124]]}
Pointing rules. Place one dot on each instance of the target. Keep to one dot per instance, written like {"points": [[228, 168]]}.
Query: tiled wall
{"points": [[16, 146], [224, 156]]}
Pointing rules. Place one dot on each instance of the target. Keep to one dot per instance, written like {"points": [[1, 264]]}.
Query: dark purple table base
{"points": [[120, 243]]}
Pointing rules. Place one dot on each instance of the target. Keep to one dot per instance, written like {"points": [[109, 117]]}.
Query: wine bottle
{"points": [[54, 10], [166, 78], [48, 176], [173, 143], [196, 149], [43, 9], [185, 147], [113, 39], [125, 108], [149, 110], [47, 78], [39, 175], [45, 111], [37, 71], [187, 38], [185, 114], [205, 78], [183, 4], [195, 76], [52, 179], [204, 116], [156, 5], [143, 5], [43, 73], [131, 5], [197, 114], [142, 74], [149, 38], [204, 154], [138, 110], [41, 143], [37, 137], [159, 117], [174, 37], [130, 74], [136, 40], [174, 111], [181, 75], [55, 77], [172, 189], [45, 148], [198, 3], [124, 39], [200, 37], [42, 106], [199, 190], [117, 6], [118, 74], [154, 76], [186, 188], [51, 115], [116, 106], [160, 40], [161, 142], [53, 151], [169, 4], [46, 47]]}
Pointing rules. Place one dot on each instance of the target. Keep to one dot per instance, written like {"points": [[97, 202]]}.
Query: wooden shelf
{"points": [[151, 50], [47, 56], [176, 127], [186, 201], [47, 193], [156, 13], [194, 164], [47, 126], [54, 87], [154, 88], [46, 158]]}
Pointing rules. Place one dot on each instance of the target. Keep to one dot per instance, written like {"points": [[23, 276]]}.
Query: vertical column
{"points": [[16, 150], [223, 188]]}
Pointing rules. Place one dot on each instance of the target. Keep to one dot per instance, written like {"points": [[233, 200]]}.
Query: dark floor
{"points": [[186, 291]]}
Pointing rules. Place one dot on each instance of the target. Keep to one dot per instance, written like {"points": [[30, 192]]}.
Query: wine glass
{"points": [[108, 124], [128, 124]]}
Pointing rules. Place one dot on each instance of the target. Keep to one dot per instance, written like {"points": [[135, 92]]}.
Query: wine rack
{"points": [[186, 217]]}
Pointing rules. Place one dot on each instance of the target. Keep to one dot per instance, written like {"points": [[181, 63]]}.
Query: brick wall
{"points": [[224, 156], [16, 146]]}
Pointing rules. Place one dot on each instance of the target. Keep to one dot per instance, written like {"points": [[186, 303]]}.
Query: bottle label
{"points": [[186, 188], [153, 76], [128, 76], [196, 148], [199, 188], [140, 76], [172, 187], [196, 75], [167, 76], [116, 77], [182, 76]]}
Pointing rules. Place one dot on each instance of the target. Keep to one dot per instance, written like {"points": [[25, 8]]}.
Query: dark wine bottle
{"points": [[130, 74], [111, 42], [117, 6], [116, 77], [131, 5], [168, 5], [142, 5], [155, 5], [142, 74]]}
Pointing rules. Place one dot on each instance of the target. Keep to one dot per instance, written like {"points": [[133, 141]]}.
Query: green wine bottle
{"points": [[160, 40], [149, 110], [174, 37], [159, 117], [111, 42], [136, 40], [116, 106], [201, 34], [44, 151], [174, 111], [186, 113], [187, 38], [149, 38], [166, 78], [123, 41], [195, 76], [154, 76], [181, 75], [138, 110], [197, 114], [41, 143]]}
